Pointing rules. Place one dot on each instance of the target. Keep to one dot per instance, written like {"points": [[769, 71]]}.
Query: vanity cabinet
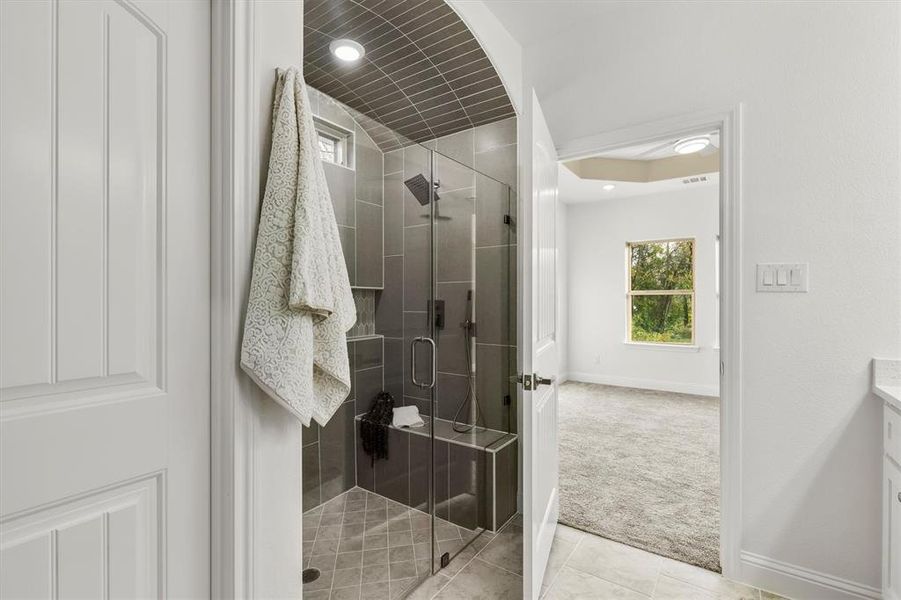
{"points": [[891, 522]]}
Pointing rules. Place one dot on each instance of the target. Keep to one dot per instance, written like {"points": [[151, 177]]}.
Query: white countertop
{"points": [[889, 393], [887, 381]]}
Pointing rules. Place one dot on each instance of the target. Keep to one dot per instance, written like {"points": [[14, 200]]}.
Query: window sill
{"points": [[665, 347]]}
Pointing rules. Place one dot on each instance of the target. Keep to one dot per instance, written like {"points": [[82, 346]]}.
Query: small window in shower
{"points": [[335, 143], [329, 149]]}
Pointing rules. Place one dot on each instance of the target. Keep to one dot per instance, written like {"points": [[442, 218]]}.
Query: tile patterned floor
{"points": [[368, 547]]}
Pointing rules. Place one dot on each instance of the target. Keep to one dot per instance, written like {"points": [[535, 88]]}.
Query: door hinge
{"points": [[507, 219]]}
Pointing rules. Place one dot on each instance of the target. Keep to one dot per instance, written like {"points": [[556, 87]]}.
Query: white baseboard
{"points": [[800, 582], [644, 384]]}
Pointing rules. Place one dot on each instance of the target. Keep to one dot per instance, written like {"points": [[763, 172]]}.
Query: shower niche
{"points": [[419, 146]]}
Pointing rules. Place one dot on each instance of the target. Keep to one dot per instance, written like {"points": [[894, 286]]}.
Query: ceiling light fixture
{"points": [[692, 144], [347, 50], [607, 187]]}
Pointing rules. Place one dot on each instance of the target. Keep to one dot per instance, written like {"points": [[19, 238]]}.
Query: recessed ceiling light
{"points": [[347, 50], [692, 144], [607, 187]]}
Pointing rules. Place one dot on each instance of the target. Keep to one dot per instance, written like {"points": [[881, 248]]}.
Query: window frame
{"points": [[343, 140], [630, 293]]}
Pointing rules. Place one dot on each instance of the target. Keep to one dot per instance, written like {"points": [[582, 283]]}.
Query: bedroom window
{"points": [[660, 297]]}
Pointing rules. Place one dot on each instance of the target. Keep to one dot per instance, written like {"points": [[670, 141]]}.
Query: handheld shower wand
{"points": [[469, 332]]}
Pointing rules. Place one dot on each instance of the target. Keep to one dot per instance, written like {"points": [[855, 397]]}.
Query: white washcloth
{"points": [[407, 416], [300, 304]]}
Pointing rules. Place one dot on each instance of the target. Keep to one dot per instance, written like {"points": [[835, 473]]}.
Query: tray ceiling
{"points": [[423, 76]]}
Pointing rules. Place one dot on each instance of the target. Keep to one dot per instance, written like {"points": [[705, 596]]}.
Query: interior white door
{"points": [[104, 298], [539, 298]]}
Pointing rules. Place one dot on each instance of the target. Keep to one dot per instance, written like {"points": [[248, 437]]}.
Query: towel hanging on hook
{"points": [[300, 305]]}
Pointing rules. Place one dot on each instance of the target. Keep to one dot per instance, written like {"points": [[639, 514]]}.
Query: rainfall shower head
{"points": [[419, 187]]}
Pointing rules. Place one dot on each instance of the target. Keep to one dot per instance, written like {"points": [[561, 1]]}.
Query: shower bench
{"points": [[476, 473]]}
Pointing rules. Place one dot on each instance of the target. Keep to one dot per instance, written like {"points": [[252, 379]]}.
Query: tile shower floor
{"points": [[367, 546]]}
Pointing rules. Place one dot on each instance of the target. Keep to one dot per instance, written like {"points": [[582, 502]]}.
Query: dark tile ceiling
{"points": [[423, 75]]}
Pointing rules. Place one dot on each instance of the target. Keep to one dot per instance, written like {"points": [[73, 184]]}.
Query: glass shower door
{"points": [[472, 325]]}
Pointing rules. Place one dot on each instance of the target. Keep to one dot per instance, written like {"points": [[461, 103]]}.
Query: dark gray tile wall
{"points": [[494, 364], [387, 241], [451, 338], [505, 471], [394, 213], [369, 267], [340, 182], [469, 231], [392, 476], [474, 487], [495, 154], [329, 453], [467, 484], [368, 163], [357, 194]]}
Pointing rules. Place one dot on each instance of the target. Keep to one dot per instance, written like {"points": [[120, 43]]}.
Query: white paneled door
{"points": [[540, 361], [104, 298]]}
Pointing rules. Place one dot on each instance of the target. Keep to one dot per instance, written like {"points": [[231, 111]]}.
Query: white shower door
{"points": [[104, 299]]}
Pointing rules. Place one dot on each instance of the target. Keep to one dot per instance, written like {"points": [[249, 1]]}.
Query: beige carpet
{"points": [[642, 467]]}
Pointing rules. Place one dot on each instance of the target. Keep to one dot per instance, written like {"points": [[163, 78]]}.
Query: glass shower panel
{"points": [[473, 326]]}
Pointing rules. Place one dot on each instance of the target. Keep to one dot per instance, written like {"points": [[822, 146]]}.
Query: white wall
{"points": [[278, 37], [598, 233], [819, 83]]}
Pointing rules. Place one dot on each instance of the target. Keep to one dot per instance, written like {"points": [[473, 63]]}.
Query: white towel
{"points": [[407, 416], [300, 304]]}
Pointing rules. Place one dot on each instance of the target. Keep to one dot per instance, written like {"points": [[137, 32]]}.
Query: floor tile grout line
{"points": [[622, 585], [488, 562], [338, 546], [565, 562], [706, 589], [584, 536], [656, 583]]}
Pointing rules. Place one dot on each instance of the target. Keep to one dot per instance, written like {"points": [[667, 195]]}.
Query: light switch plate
{"points": [[782, 277]]}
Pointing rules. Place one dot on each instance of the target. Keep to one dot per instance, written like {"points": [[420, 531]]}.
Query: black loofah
{"points": [[374, 426]]}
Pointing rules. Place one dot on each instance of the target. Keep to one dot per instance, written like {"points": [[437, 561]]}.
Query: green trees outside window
{"points": [[661, 291]]}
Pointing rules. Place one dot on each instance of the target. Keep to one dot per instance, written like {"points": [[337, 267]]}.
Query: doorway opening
{"points": [[640, 413]]}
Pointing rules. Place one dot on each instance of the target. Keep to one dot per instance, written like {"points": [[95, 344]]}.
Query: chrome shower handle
{"points": [[431, 342]]}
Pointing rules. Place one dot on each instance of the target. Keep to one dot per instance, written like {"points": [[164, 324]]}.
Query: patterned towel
{"points": [[300, 304]]}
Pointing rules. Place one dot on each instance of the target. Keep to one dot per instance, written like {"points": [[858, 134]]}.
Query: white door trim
{"points": [[232, 181], [729, 123]]}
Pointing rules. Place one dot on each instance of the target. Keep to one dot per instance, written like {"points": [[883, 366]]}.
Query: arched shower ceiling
{"points": [[424, 75]]}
